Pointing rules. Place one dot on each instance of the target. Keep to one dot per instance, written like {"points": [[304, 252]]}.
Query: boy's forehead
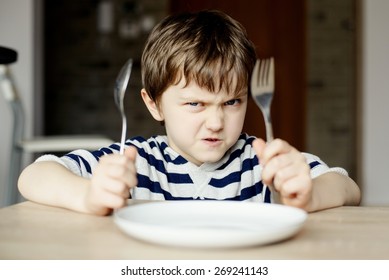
{"points": [[194, 90], [226, 85]]}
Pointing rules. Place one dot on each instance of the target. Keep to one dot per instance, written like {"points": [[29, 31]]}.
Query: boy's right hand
{"points": [[111, 182]]}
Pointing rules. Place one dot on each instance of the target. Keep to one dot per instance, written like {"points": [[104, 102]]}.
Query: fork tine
{"points": [[263, 72], [271, 73], [266, 74]]}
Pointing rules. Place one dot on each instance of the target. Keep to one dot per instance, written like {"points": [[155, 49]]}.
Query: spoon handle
{"points": [[123, 137]]}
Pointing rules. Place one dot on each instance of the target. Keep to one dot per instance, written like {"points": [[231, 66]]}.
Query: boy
{"points": [[195, 72]]}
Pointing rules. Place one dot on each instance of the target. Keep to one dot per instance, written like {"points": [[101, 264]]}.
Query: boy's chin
{"points": [[210, 159]]}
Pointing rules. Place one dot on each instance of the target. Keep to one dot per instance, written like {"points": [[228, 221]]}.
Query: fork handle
{"points": [[269, 137], [269, 131], [268, 125]]}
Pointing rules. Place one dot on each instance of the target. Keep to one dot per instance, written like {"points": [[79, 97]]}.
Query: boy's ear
{"points": [[151, 105]]}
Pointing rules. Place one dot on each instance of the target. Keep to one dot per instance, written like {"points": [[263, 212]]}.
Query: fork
{"points": [[262, 89]]}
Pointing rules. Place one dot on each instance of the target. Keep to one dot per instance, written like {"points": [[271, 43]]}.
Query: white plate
{"points": [[210, 223]]}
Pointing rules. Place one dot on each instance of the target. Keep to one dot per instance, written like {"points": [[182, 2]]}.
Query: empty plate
{"points": [[210, 224]]}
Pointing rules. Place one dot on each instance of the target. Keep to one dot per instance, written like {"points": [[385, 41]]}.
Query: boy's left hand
{"points": [[286, 169]]}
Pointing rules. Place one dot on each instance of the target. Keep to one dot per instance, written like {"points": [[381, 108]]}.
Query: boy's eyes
{"points": [[233, 102], [228, 103]]}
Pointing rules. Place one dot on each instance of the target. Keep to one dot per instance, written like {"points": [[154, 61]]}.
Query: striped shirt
{"points": [[163, 174]]}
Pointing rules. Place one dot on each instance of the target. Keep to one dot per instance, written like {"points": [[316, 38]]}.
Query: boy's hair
{"points": [[209, 48]]}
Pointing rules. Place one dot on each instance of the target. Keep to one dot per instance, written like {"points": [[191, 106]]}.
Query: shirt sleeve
{"points": [[80, 162], [319, 167]]}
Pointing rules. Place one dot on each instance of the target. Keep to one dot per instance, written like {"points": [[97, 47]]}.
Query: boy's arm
{"points": [[332, 189], [286, 169], [50, 183]]}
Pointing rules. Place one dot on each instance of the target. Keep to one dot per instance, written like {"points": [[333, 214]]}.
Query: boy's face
{"points": [[200, 125]]}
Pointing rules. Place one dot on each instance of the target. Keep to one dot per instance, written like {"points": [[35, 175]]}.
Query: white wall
{"points": [[375, 102], [17, 32]]}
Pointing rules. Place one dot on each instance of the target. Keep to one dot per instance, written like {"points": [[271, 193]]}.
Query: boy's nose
{"points": [[215, 120]]}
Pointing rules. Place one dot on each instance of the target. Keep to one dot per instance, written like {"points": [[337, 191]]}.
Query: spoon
{"points": [[119, 92]]}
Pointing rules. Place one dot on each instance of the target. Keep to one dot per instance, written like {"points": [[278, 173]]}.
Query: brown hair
{"points": [[208, 47]]}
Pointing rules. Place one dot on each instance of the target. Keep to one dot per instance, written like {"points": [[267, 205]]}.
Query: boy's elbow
{"points": [[353, 193], [24, 178], [31, 176]]}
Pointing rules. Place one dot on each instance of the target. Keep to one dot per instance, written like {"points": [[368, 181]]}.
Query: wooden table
{"points": [[33, 231]]}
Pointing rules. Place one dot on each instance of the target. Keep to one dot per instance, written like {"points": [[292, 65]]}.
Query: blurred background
{"points": [[330, 55]]}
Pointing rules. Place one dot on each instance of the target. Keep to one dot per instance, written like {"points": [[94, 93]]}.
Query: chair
{"points": [[42, 144]]}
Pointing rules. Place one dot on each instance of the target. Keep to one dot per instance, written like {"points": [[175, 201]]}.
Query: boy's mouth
{"points": [[212, 139]]}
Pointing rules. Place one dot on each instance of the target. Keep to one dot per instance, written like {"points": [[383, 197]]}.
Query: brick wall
{"points": [[331, 82]]}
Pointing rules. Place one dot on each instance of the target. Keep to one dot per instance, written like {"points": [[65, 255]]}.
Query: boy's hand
{"points": [[111, 181], [286, 169]]}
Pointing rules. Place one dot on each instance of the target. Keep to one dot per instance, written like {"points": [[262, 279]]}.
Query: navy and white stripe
{"points": [[163, 174]]}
